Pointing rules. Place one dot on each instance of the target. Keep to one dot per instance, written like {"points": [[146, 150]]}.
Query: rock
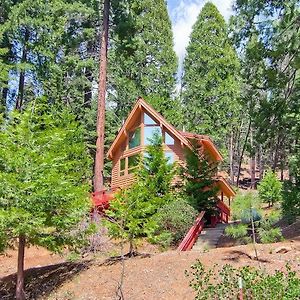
{"points": [[282, 249]]}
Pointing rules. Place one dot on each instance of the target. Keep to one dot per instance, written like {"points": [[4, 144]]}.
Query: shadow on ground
{"points": [[237, 256], [41, 281]]}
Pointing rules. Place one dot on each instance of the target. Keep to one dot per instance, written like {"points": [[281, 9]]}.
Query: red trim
{"points": [[225, 211], [192, 235]]}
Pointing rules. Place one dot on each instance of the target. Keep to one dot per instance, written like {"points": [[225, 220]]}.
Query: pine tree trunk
{"points": [[260, 163], [253, 235], [99, 158], [20, 292], [242, 154], [231, 161], [252, 163], [20, 97]]}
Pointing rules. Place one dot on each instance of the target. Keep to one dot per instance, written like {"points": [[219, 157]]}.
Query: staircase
{"points": [[209, 237]]}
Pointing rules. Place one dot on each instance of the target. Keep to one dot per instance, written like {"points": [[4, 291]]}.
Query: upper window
{"points": [[148, 120], [169, 140], [135, 138], [149, 133]]}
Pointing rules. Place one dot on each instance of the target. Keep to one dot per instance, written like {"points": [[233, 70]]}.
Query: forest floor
{"points": [[156, 276]]}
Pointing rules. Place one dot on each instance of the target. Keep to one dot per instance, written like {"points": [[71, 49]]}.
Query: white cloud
{"points": [[184, 15]]}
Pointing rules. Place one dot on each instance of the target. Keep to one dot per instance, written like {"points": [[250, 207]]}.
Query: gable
{"points": [[135, 118]]}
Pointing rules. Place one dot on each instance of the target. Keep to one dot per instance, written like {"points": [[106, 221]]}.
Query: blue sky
{"points": [[184, 13]]}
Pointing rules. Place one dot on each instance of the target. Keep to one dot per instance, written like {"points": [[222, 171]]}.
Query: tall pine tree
{"points": [[142, 60], [210, 82]]}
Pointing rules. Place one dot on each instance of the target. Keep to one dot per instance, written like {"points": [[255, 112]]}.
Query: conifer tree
{"points": [[44, 182], [142, 60], [131, 211], [210, 83]]}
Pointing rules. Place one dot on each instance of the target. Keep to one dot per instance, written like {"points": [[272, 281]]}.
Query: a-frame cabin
{"points": [[133, 138]]}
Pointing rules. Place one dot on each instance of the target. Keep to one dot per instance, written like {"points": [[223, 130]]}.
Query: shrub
{"points": [[256, 284], [270, 188], [175, 219], [239, 231]]}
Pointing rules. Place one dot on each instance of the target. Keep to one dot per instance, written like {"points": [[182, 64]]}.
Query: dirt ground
{"points": [[157, 277]]}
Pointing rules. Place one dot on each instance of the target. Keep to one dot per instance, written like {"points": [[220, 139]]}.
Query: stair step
{"points": [[209, 238]]}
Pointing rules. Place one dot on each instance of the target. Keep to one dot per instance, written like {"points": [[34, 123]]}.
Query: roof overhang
{"points": [[225, 187], [208, 144]]}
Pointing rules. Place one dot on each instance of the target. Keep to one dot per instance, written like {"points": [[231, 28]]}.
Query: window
{"points": [[169, 139], [149, 132], [135, 138], [170, 157], [122, 166], [133, 162], [148, 120]]}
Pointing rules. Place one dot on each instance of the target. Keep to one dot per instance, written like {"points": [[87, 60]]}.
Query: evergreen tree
{"points": [[142, 60], [270, 188], [132, 210], [198, 181], [210, 83], [44, 175], [50, 45]]}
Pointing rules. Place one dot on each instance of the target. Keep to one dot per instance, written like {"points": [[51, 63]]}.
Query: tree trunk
{"points": [[99, 158], [242, 154], [252, 163], [20, 97], [260, 163], [20, 292], [231, 161], [253, 235]]}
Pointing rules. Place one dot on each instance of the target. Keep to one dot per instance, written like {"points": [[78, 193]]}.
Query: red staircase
{"points": [[192, 235]]}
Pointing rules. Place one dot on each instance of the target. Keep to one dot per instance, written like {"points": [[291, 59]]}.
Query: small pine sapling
{"points": [[270, 188]]}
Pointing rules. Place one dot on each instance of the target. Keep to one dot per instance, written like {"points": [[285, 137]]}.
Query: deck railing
{"points": [[192, 235]]}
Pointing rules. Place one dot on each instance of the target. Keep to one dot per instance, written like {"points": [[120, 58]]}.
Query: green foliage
{"points": [[210, 83], [267, 231], [257, 284], [291, 201], [44, 178], [142, 61], [270, 188], [175, 219], [246, 205], [130, 213], [237, 231], [197, 180]]}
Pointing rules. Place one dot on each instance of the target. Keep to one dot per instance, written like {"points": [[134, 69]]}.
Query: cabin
{"points": [[132, 140], [134, 137]]}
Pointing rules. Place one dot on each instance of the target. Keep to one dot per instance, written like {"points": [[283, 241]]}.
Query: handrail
{"points": [[192, 235], [223, 207]]}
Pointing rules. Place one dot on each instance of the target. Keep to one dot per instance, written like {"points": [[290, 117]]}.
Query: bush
{"points": [[257, 284], [270, 188], [174, 220], [239, 231]]}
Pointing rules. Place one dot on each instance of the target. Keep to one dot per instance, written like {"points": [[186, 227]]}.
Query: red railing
{"points": [[225, 211], [192, 235]]}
